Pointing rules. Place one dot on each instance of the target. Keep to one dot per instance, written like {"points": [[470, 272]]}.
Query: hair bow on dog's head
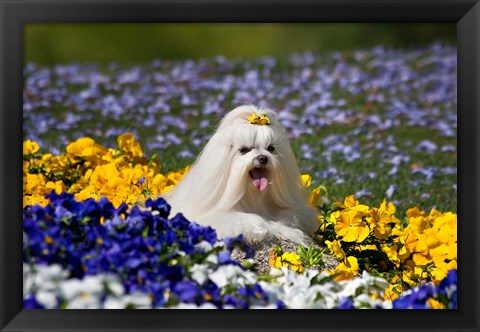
{"points": [[259, 119]]}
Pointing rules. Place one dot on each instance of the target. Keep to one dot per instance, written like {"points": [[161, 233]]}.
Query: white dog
{"points": [[247, 181]]}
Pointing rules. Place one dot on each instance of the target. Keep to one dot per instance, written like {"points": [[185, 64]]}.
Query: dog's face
{"points": [[255, 155]]}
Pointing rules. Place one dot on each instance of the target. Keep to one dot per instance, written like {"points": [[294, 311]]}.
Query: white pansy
{"points": [[82, 294], [72, 288], [137, 300], [42, 278], [84, 300], [232, 275], [363, 301], [298, 292], [28, 280], [275, 272], [140, 300], [200, 273], [206, 305], [225, 274], [300, 297], [47, 298], [204, 246], [50, 276], [387, 305], [308, 290], [275, 291], [113, 284], [112, 302], [268, 306], [212, 259], [350, 287]]}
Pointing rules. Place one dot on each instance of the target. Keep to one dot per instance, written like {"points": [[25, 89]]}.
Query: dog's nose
{"points": [[262, 160]]}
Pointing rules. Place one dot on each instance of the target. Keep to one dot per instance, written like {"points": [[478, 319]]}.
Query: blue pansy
{"points": [[32, 303], [416, 298], [448, 289], [137, 245], [239, 242], [159, 205], [345, 303], [187, 292], [224, 257]]}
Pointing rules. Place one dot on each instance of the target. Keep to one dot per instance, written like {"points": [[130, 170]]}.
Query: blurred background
{"points": [[50, 44]]}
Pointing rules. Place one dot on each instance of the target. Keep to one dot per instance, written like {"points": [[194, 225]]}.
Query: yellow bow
{"points": [[259, 119]]}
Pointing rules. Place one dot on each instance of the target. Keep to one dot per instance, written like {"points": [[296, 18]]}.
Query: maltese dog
{"points": [[247, 181]]}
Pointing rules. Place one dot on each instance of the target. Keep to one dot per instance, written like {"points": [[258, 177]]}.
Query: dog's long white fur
{"points": [[218, 190]]}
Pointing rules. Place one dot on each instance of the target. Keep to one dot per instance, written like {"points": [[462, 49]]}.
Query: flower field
{"points": [[374, 132]]}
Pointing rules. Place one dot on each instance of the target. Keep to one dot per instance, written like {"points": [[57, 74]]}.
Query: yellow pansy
{"points": [[129, 145], [350, 201], [58, 186], [451, 251], [306, 180], [434, 304], [128, 177], [30, 147], [272, 257], [347, 269], [422, 243], [55, 163], [367, 247], [351, 227], [391, 293], [290, 260], [392, 252], [415, 212], [446, 224], [420, 259], [336, 247], [32, 182], [36, 199], [86, 193], [418, 224], [132, 175], [314, 197], [408, 276], [157, 184], [86, 148], [174, 177], [102, 174], [379, 222], [82, 183], [441, 269], [434, 213], [389, 208], [407, 240], [421, 273]]}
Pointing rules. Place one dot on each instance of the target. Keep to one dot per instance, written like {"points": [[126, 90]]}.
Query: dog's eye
{"points": [[270, 148], [244, 150]]}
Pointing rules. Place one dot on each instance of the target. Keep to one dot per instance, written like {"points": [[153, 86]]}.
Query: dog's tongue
{"points": [[260, 179]]}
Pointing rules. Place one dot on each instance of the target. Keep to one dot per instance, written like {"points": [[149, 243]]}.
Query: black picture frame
{"points": [[14, 14]]}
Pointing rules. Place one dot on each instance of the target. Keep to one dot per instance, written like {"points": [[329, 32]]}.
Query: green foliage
{"points": [[311, 257]]}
